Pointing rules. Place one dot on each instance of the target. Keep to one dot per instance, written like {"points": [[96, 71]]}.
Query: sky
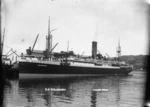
{"points": [[78, 21]]}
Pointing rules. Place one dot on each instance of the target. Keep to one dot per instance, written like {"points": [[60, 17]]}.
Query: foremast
{"points": [[48, 42], [49, 47]]}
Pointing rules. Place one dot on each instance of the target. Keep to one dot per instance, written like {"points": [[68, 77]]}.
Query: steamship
{"points": [[49, 62]]}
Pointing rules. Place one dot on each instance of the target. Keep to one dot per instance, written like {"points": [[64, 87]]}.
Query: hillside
{"points": [[139, 61]]}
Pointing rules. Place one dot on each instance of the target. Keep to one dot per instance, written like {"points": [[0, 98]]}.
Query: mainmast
{"points": [[68, 47], [118, 50]]}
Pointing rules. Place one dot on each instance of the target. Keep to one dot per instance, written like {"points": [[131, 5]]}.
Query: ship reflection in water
{"points": [[105, 91]]}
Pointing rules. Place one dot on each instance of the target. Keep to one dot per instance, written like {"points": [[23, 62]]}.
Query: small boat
{"points": [[6, 64]]}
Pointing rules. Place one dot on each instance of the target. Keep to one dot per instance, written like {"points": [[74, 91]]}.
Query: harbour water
{"points": [[76, 91]]}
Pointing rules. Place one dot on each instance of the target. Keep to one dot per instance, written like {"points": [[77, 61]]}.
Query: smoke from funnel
{"points": [[96, 33]]}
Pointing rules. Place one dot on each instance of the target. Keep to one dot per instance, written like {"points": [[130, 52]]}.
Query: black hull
{"points": [[40, 68]]}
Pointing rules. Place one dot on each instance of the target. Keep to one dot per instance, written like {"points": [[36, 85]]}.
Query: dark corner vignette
{"points": [[147, 84], [1, 70]]}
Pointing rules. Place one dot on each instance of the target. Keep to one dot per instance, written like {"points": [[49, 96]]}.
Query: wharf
{"points": [[11, 71]]}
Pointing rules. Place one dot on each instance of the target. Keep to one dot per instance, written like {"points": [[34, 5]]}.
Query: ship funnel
{"points": [[94, 49]]}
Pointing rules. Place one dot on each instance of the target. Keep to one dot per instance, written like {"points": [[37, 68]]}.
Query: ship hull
{"points": [[43, 68]]}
